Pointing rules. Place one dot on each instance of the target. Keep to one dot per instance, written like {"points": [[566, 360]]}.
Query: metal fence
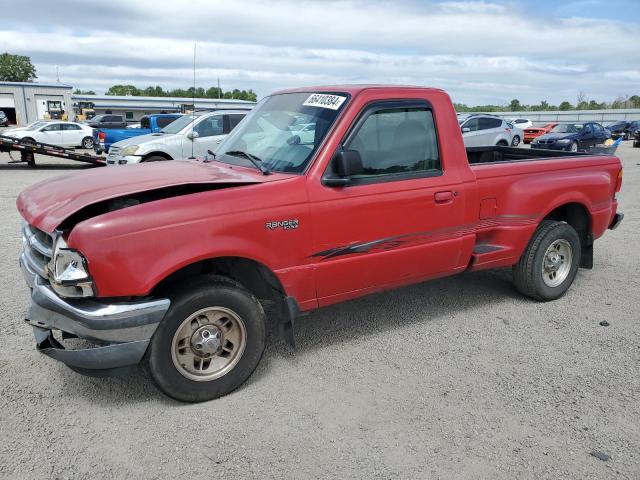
{"points": [[627, 114]]}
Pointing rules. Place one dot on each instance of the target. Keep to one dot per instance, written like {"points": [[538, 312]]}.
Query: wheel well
{"points": [[576, 215], [253, 275], [157, 154]]}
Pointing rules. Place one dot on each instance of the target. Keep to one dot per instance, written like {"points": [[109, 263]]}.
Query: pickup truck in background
{"points": [[190, 136], [106, 121], [184, 265], [103, 139]]}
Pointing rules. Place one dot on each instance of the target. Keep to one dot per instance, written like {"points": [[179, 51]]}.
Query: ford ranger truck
{"points": [[182, 266]]}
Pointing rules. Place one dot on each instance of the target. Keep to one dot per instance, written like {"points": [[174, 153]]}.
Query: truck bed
{"points": [[498, 154]]}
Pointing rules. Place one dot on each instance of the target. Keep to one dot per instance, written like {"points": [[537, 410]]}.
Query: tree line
{"points": [[199, 92], [582, 103]]}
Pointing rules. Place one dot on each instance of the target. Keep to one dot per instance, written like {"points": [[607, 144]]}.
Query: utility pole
{"points": [[219, 91]]}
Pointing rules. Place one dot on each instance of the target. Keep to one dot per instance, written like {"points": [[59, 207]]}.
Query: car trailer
{"points": [[29, 149]]}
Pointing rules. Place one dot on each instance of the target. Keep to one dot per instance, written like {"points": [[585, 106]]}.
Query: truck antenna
{"points": [[193, 97]]}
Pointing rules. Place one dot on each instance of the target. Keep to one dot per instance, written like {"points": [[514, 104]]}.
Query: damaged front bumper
{"points": [[119, 332]]}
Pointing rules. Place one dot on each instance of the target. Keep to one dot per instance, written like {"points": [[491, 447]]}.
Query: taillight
{"points": [[619, 181], [101, 136]]}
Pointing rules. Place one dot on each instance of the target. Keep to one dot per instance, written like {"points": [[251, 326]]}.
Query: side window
{"points": [[210, 126], [234, 120], [146, 123], [70, 126], [487, 123], [472, 124], [163, 121], [588, 129], [397, 140], [54, 127]]}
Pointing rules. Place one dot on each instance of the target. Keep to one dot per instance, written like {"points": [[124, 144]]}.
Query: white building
{"points": [[133, 108], [25, 102]]}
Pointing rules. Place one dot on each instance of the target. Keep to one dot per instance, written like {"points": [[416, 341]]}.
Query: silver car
{"points": [[189, 136], [483, 130]]}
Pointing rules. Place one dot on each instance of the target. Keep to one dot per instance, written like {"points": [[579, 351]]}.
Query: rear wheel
{"points": [[550, 262], [87, 142], [502, 143], [209, 342], [516, 141]]}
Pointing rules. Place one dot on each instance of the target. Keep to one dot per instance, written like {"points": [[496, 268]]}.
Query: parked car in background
{"points": [[64, 134], [516, 135], [103, 139], [186, 266], [107, 121], [533, 132], [572, 137], [521, 123], [482, 130], [189, 136], [619, 129], [634, 129], [4, 120]]}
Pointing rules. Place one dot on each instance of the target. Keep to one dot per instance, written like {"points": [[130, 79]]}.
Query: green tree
{"points": [[565, 106], [77, 91], [123, 90], [514, 105], [16, 68]]}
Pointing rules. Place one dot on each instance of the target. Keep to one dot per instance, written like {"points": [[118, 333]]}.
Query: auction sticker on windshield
{"points": [[324, 100]]}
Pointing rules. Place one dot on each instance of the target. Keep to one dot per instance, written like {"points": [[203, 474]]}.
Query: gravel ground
{"points": [[455, 378]]}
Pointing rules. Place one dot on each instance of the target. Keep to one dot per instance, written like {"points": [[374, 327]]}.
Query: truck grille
{"points": [[37, 248]]}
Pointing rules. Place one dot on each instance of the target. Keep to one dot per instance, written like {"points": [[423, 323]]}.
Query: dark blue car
{"points": [[572, 137]]}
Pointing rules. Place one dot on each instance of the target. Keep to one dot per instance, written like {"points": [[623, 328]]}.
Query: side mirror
{"points": [[192, 135], [344, 165], [466, 130]]}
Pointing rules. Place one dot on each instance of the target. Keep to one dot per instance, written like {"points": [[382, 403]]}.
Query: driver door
{"points": [[587, 137], [210, 132]]}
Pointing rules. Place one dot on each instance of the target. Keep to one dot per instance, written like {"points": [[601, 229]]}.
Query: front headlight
{"points": [[564, 141], [69, 272], [130, 150]]}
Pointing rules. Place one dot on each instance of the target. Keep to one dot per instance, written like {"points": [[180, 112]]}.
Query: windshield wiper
{"points": [[257, 162]]}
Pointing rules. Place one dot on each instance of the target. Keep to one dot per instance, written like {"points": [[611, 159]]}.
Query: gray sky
{"points": [[481, 52]]}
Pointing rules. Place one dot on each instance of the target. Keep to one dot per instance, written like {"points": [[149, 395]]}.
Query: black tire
{"points": [[87, 142], [574, 147], [155, 158], [636, 144], [515, 141], [502, 143], [528, 272], [203, 292], [29, 141]]}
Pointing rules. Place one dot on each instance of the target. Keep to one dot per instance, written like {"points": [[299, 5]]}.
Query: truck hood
{"points": [[49, 203], [146, 139]]}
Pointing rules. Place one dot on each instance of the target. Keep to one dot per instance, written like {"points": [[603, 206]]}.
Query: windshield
{"points": [[36, 125], [283, 131], [567, 128], [178, 125]]}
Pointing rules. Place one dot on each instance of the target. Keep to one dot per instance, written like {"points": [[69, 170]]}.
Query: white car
{"points": [[521, 123], [517, 134], [63, 134], [189, 136], [483, 130]]}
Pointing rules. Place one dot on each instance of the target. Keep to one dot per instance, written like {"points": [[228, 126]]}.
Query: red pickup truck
{"points": [[318, 196]]}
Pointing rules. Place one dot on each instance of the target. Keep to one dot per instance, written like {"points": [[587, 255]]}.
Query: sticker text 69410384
{"points": [[324, 100]]}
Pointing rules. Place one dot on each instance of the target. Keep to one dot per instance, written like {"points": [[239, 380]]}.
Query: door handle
{"points": [[219, 141], [445, 197]]}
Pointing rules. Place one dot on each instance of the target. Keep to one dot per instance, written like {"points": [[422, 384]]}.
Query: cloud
{"points": [[479, 51]]}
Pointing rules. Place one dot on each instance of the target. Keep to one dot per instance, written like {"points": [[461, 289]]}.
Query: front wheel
{"points": [[155, 158], [516, 141], [573, 147], [210, 341], [550, 262]]}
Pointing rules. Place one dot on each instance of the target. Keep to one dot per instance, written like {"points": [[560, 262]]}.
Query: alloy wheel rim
{"points": [[556, 263], [208, 344]]}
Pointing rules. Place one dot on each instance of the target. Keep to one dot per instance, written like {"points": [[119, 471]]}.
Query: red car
{"points": [[534, 132], [182, 265]]}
